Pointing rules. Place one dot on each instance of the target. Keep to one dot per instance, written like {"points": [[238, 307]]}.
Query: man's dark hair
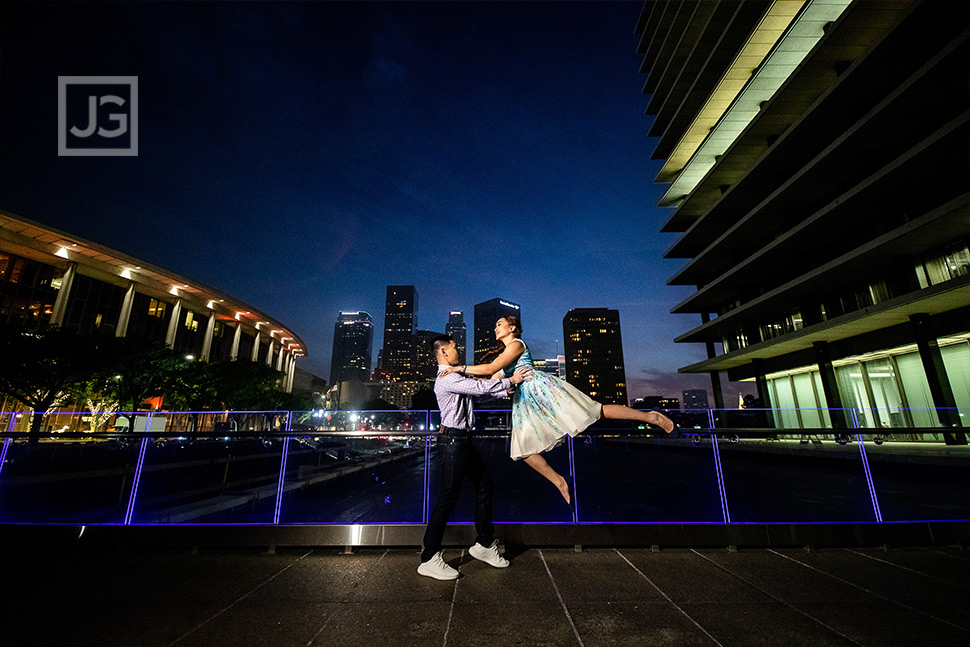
{"points": [[438, 342]]}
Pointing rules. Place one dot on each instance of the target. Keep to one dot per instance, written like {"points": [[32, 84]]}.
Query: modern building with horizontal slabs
{"points": [[814, 158]]}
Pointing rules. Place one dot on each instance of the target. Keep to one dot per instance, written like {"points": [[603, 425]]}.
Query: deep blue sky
{"points": [[304, 156]]}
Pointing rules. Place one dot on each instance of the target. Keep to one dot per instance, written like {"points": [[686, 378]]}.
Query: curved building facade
{"points": [[50, 277]]}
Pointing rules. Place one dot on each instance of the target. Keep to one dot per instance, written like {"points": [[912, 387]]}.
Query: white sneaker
{"points": [[489, 555], [437, 568]]}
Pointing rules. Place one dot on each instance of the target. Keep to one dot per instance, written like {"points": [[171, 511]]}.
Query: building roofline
{"points": [[107, 262]]}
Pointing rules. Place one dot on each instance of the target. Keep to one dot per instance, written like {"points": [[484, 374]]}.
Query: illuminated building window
{"points": [[156, 308]]}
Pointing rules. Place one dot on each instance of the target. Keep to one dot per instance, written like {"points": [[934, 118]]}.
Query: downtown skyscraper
{"points": [[400, 318], [486, 314], [353, 339], [594, 353], [456, 328]]}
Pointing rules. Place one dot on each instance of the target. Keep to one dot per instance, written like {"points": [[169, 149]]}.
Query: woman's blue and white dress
{"points": [[546, 409]]}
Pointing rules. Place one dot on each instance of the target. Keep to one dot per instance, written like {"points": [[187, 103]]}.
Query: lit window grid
{"points": [[804, 34]]}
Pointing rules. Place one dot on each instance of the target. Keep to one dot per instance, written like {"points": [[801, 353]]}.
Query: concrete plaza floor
{"points": [[601, 596]]}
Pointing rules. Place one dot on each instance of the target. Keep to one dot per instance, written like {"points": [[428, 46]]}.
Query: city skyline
{"points": [[305, 174]]}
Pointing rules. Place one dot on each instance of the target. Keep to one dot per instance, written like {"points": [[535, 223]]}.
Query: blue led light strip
{"points": [[865, 466], [572, 473], [138, 469], [3, 452], [6, 441], [279, 490], [722, 492], [427, 476]]}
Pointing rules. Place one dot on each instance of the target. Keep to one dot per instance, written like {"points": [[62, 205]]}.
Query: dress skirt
{"points": [[547, 409]]}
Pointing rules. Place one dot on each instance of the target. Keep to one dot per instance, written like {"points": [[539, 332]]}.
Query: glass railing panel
{"points": [[624, 475], [778, 418], [486, 420], [920, 474], [68, 477], [794, 476], [743, 418], [521, 495], [355, 477], [354, 421], [213, 421], [214, 480], [688, 421]]}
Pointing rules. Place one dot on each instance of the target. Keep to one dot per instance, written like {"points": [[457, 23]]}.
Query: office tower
{"points": [[594, 353], [425, 364], [821, 205], [486, 314], [695, 399], [456, 328], [400, 319], [353, 338]]}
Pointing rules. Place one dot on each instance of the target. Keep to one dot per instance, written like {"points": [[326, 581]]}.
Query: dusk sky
{"points": [[304, 156]]}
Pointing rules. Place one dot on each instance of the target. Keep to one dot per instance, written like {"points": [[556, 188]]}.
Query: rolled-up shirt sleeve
{"points": [[455, 383], [455, 394]]}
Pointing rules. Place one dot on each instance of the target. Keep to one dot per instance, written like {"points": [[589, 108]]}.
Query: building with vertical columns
{"points": [[593, 347], [50, 277], [814, 158]]}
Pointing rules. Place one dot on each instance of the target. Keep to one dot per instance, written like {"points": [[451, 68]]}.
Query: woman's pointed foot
{"points": [[564, 490], [663, 422]]}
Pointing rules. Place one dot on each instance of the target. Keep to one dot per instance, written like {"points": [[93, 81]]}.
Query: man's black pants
{"points": [[457, 459]]}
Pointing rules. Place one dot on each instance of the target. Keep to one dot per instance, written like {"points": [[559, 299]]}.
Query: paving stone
{"points": [[685, 576], [636, 624], [520, 623], [375, 597], [768, 624], [598, 575], [878, 624]]}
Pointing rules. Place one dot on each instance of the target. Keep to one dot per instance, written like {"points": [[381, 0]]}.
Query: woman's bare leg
{"points": [[539, 464], [620, 412]]}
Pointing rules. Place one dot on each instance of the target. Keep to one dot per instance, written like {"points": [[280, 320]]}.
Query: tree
{"points": [[245, 386], [134, 371], [38, 367], [752, 402]]}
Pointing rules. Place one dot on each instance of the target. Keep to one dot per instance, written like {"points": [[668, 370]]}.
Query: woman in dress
{"points": [[547, 408]]}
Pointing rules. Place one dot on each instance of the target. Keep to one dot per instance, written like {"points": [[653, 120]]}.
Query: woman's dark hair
{"points": [[513, 320]]}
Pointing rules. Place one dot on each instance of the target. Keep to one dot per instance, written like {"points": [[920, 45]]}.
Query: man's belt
{"points": [[453, 431]]}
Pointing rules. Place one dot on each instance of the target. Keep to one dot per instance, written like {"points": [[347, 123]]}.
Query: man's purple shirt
{"points": [[456, 393]]}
